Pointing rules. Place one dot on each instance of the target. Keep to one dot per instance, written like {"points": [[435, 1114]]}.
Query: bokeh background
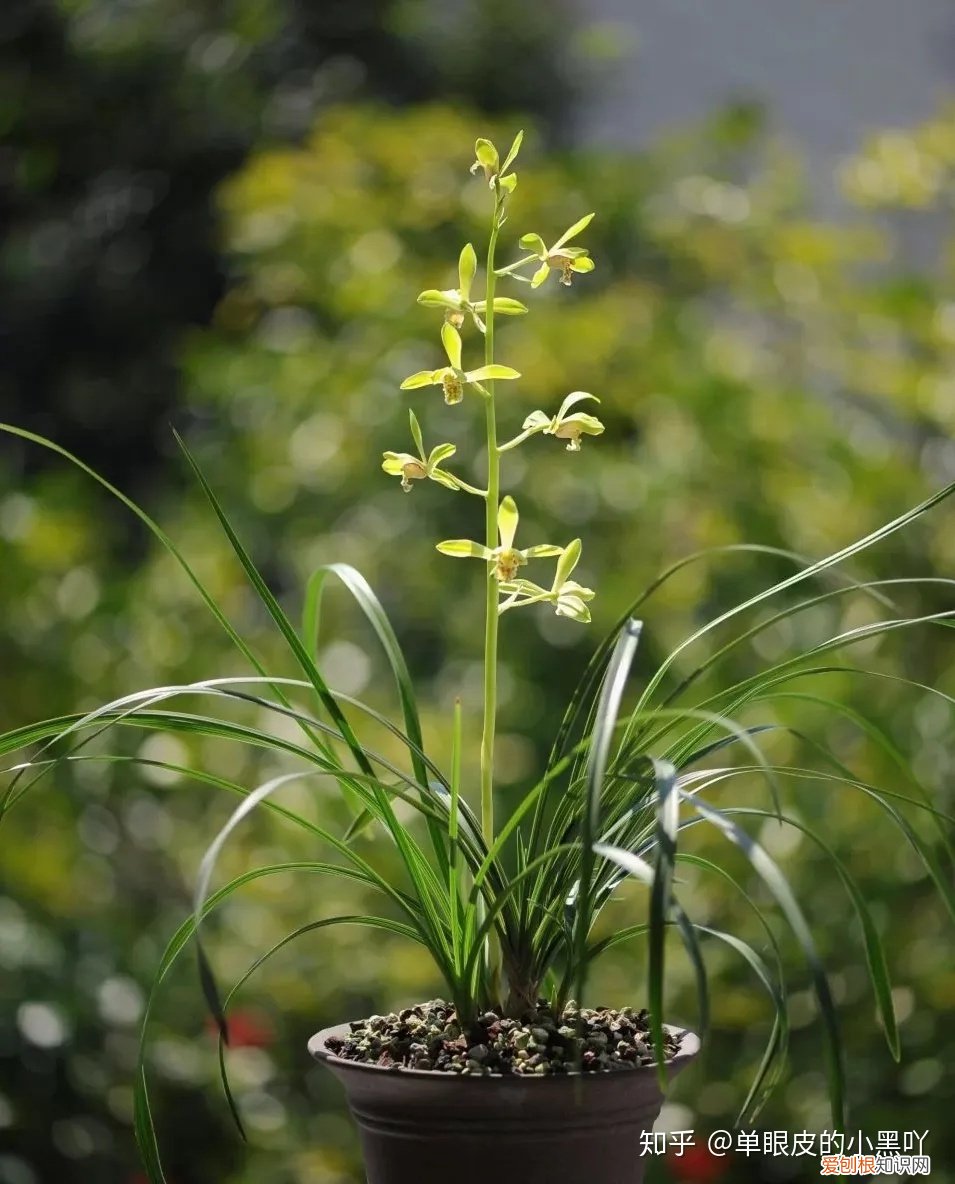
{"points": [[217, 217]]}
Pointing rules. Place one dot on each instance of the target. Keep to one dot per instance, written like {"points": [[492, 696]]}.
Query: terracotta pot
{"points": [[419, 1127]]}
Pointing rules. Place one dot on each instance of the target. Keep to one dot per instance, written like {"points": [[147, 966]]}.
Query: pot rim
{"points": [[689, 1047]]}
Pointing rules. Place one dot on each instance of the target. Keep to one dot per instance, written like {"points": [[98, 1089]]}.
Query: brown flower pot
{"points": [[419, 1127]]}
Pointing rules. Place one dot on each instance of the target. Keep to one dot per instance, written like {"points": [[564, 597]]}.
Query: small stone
{"points": [[428, 1036]]}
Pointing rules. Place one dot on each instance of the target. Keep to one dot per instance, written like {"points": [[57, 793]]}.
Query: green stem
{"points": [[512, 267], [493, 498], [518, 440], [520, 603], [467, 488]]}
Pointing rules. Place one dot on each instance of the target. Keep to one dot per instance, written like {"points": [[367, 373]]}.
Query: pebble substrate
{"points": [[539, 1043]]}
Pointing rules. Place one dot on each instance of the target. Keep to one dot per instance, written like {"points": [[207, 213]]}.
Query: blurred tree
{"points": [[119, 121]]}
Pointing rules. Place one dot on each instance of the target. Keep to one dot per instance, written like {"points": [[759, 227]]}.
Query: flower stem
{"points": [[518, 440], [492, 946], [463, 485], [493, 497]]}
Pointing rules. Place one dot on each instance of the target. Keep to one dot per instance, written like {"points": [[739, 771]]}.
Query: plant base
{"points": [[421, 1127]]}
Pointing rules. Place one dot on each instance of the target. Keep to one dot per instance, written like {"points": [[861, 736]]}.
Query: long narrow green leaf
{"points": [[206, 868], [188, 773], [707, 778], [416, 865], [772, 1065], [637, 867], [159, 534], [773, 1059], [725, 723], [814, 569], [744, 691], [874, 951], [274, 610], [454, 869], [139, 702], [137, 714], [143, 1126], [884, 741], [667, 821], [763, 1084], [777, 884], [428, 886], [144, 1130], [371, 606], [792, 611], [583, 692], [385, 923], [708, 750], [194, 725], [605, 723], [498, 903]]}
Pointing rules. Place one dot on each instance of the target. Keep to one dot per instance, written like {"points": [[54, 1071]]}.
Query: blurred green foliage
{"points": [[118, 122], [764, 378]]}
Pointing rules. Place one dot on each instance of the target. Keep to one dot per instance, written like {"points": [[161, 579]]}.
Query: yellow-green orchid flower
{"points": [[507, 559], [418, 468], [457, 302], [568, 597], [488, 162], [452, 378], [564, 426], [561, 258]]}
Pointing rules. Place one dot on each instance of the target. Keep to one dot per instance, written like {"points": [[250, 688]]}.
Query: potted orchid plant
{"points": [[514, 1073]]}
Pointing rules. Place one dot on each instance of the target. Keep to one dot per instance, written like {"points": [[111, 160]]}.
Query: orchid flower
{"points": [[417, 468], [564, 426], [457, 302], [488, 162], [559, 257], [507, 559], [452, 378], [568, 597]]}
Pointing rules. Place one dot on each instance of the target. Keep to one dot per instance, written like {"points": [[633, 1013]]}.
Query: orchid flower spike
{"points": [[417, 468], [507, 559], [565, 426], [452, 378]]}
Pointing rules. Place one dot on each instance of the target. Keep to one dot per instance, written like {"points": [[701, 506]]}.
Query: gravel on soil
{"points": [[428, 1036]]}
